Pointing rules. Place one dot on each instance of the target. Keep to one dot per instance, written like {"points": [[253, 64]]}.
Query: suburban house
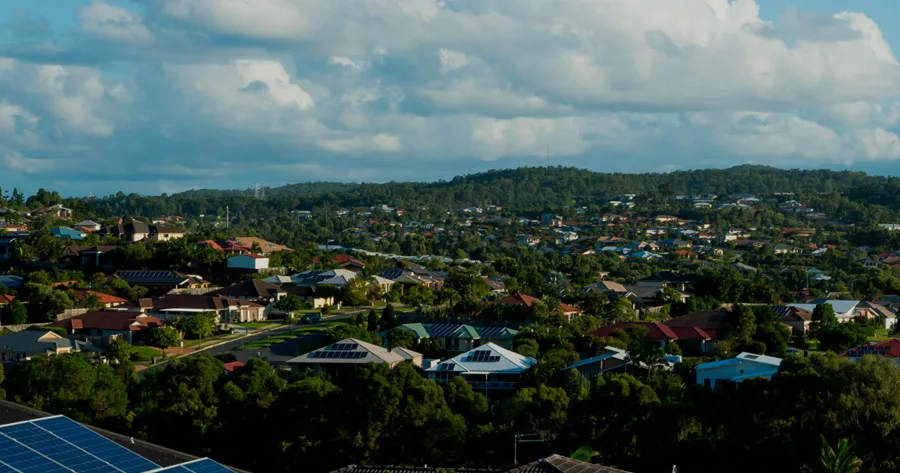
{"points": [[160, 233], [526, 302], [227, 310], [249, 262], [317, 297], [255, 290], [460, 337], [726, 374], [796, 318], [697, 326], [137, 231], [691, 339], [844, 310], [486, 368], [133, 231], [889, 349], [90, 256], [611, 359], [87, 226], [57, 211], [671, 279], [338, 278], [100, 327], [414, 277], [28, 344], [342, 358], [6, 299], [66, 233], [165, 279]]}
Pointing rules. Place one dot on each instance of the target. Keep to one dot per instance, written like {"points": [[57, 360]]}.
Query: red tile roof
{"points": [[81, 294], [691, 333], [656, 330], [517, 298], [6, 298], [230, 367]]}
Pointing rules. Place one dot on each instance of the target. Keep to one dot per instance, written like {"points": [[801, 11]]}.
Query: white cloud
{"points": [[114, 23], [365, 84]]}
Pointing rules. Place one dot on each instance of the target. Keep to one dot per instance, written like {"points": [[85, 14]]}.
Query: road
{"points": [[277, 353]]}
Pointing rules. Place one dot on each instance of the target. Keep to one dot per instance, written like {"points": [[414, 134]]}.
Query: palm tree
{"points": [[840, 459]]}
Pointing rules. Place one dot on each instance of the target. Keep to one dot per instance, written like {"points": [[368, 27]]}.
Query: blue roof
{"points": [[67, 233]]}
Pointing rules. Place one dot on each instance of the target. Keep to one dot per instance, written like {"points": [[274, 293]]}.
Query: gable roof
{"points": [[265, 246], [488, 358], [840, 307], [150, 278], [37, 341], [656, 330], [351, 351], [517, 298], [195, 302]]}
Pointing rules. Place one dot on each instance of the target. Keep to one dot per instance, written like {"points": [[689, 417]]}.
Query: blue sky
{"points": [[156, 96]]}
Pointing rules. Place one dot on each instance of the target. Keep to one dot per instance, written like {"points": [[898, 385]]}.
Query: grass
{"points": [[299, 331], [144, 353], [255, 325], [881, 334]]}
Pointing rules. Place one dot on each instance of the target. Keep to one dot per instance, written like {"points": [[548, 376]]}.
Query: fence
{"points": [[19, 328]]}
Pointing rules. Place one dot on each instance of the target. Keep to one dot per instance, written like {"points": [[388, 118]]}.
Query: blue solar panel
{"points": [[59, 444], [204, 465]]}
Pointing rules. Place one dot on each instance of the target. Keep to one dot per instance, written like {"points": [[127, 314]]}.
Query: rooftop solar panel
{"points": [[59, 444]]}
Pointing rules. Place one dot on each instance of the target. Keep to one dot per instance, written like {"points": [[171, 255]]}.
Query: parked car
{"points": [[311, 318]]}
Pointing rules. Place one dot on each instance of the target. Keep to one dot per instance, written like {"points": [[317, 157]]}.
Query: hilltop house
{"points": [[488, 367]]}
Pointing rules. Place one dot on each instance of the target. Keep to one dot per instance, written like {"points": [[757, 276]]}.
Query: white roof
{"points": [[351, 350], [278, 279], [488, 358], [382, 281], [742, 358]]}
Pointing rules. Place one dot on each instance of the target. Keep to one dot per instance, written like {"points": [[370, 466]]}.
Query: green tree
{"points": [[372, 321], [400, 337], [839, 459], [290, 303], [839, 337], [162, 337], [823, 316], [357, 292], [196, 326], [13, 313], [388, 318]]}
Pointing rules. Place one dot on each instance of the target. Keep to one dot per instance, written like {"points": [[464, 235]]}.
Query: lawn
{"points": [[294, 333], [255, 325], [881, 334], [144, 353]]}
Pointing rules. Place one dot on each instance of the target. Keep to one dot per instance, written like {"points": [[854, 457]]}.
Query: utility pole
{"points": [[227, 216]]}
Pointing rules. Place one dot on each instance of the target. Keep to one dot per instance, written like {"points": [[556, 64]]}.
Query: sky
{"points": [[160, 96]]}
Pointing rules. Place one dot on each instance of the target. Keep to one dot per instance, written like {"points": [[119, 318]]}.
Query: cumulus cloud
{"points": [[398, 87]]}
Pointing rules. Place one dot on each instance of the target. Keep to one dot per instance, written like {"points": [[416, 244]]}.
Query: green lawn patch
{"points": [[142, 353], [254, 325], [881, 334]]}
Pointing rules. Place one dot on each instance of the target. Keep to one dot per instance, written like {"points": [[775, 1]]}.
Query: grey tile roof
{"points": [[561, 464]]}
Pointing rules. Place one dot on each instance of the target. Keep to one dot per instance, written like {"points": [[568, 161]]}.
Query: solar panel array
{"points": [[59, 444], [482, 356], [491, 332], [342, 347], [338, 355], [444, 330], [204, 465], [868, 350]]}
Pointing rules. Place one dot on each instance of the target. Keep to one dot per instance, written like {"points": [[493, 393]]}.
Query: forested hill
{"points": [[536, 187], [518, 190]]}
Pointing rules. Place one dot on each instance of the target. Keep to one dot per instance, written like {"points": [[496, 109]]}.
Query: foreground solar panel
{"points": [[59, 444], [203, 465]]}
